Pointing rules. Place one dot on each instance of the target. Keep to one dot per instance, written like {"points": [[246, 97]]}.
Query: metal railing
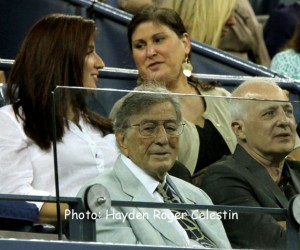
{"points": [[83, 229]]}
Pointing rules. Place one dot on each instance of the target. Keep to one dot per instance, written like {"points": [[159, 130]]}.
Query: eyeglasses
{"points": [[150, 128]]}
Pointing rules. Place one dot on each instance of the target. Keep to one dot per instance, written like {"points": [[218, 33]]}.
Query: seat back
{"points": [[18, 215]]}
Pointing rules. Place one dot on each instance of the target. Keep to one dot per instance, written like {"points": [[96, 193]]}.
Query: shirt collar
{"points": [[147, 181]]}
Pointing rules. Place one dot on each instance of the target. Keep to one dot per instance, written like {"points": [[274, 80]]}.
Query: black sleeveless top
{"points": [[212, 145]]}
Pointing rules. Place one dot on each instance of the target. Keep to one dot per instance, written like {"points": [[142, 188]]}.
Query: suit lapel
{"points": [[137, 192], [294, 171], [207, 225], [260, 177]]}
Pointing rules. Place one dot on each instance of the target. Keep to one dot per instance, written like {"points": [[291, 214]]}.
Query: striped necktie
{"points": [[185, 220]]}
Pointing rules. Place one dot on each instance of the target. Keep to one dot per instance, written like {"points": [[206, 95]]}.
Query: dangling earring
{"points": [[187, 67]]}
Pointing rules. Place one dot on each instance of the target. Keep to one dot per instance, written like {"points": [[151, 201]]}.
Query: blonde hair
{"points": [[204, 19]]}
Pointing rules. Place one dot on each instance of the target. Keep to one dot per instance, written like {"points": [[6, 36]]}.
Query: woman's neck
{"points": [[73, 116], [181, 86]]}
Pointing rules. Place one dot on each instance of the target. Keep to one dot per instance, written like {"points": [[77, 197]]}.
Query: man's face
{"points": [[269, 128], [155, 154]]}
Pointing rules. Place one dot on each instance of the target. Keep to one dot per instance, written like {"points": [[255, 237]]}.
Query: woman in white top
{"points": [[58, 50]]}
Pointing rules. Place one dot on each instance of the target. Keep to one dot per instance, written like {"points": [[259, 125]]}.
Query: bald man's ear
{"points": [[238, 129], [122, 142]]}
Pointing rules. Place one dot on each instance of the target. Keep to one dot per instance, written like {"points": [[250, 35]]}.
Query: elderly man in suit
{"points": [[147, 128], [258, 173]]}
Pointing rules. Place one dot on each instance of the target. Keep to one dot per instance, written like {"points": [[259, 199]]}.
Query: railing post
{"points": [[81, 226]]}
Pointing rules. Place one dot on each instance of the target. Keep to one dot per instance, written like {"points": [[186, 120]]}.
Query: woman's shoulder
{"points": [[213, 90], [289, 53], [219, 91], [7, 111], [286, 62], [9, 123]]}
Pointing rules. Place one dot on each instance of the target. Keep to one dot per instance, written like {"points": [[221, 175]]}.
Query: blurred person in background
{"points": [[245, 38], [133, 6], [205, 20], [287, 61], [280, 26]]}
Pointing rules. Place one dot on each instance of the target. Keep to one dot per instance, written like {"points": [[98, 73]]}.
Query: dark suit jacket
{"points": [[239, 180], [181, 171]]}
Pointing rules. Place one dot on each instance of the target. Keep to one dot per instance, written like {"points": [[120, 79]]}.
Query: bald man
{"points": [[257, 174]]}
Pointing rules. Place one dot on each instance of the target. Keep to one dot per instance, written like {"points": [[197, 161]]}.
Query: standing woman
{"points": [[58, 50], [160, 47]]}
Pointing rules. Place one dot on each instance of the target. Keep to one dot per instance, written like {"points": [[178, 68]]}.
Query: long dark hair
{"points": [[52, 54], [169, 18], [294, 41]]}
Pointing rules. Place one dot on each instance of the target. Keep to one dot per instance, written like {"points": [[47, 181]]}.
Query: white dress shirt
{"points": [[151, 184], [28, 170]]}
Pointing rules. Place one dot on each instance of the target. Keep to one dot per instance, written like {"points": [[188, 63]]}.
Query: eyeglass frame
{"points": [[157, 124]]}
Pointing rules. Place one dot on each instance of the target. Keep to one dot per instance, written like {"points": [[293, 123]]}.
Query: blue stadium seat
{"points": [[18, 215]]}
